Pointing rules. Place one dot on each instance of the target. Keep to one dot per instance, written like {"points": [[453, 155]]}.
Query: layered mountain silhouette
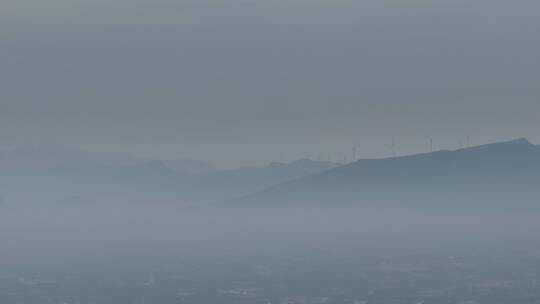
{"points": [[50, 173], [227, 184], [50, 155], [500, 172]]}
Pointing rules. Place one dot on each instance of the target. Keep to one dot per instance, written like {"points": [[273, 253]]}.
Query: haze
{"points": [[236, 82], [269, 152]]}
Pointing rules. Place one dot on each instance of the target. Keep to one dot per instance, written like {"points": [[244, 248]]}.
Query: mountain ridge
{"points": [[463, 174]]}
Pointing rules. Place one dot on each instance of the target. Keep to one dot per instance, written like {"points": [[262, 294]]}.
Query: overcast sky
{"points": [[249, 81]]}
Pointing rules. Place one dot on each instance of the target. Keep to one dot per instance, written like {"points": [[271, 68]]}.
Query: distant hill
{"points": [[89, 181], [78, 177], [50, 155], [497, 172], [228, 184]]}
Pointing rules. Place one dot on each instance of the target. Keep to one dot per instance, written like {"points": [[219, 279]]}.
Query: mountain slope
{"points": [[229, 184], [149, 181], [490, 172]]}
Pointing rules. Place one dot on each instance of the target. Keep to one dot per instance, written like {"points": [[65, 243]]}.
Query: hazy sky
{"points": [[249, 81]]}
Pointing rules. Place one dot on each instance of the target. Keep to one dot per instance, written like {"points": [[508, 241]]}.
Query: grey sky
{"points": [[248, 81]]}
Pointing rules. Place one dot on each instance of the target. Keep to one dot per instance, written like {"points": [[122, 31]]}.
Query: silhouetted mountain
{"points": [[498, 172], [50, 155], [228, 184], [148, 181], [92, 181]]}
